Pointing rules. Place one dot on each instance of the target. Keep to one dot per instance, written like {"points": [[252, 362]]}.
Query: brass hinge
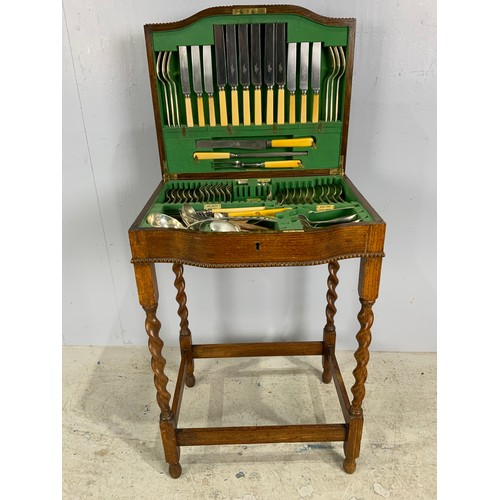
{"points": [[249, 10], [169, 177], [341, 166]]}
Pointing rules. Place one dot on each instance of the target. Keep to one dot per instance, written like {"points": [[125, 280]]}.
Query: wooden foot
{"points": [[190, 380], [349, 466], [184, 332], [329, 333], [175, 470]]}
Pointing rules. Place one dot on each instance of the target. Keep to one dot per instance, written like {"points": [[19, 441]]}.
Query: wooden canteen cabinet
{"points": [[310, 102]]}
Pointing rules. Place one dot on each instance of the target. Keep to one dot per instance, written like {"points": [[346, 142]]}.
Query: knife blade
{"points": [[221, 73], [281, 69], [197, 85], [208, 82], [304, 79], [269, 69], [300, 142], [256, 73], [185, 85], [232, 71], [291, 79], [244, 70], [316, 78]]}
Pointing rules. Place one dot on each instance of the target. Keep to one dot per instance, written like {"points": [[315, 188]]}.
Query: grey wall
{"points": [[110, 168]]}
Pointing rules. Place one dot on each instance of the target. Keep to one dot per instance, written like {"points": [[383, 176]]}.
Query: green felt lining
{"points": [[255, 194], [179, 141]]}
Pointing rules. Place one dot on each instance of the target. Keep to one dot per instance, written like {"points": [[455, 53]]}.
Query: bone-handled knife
{"points": [[315, 78], [304, 79], [208, 82], [281, 70], [269, 68], [256, 73], [185, 85], [291, 79], [244, 70], [232, 71], [297, 142], [220, 65], [224, 155], [197, 85]]}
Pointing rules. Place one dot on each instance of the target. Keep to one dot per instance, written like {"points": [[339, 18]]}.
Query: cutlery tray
{"points": [[318, 197]]}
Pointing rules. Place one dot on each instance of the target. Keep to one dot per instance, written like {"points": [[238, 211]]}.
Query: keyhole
{"points": [[257, 246]]}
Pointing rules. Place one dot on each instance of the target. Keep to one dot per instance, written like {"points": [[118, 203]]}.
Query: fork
{"points": [[173, 89], [329, 84], [162, 79], [339, 76]]}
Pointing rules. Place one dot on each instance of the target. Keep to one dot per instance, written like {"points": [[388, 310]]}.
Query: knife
{"points": [[232, 71], [291, 79], [186, 88], [197, 85], [220, 65], [256, 72], [210, 155], [269, 67], [208, 82], [301, 142], [280, 69], [261, 164], [244, 70], [315, 78], [304, 79]]}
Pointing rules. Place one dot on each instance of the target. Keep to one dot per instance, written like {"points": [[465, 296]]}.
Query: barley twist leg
{"points": [[329, 333], [184, 332]]}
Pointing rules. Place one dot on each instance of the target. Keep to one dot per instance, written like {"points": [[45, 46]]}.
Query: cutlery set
{"points": [[253, 68]]}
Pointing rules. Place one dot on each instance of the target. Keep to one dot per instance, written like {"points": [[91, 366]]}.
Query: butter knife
{"points": [[304, 79], [269, 68], [208, 82], [232, 71], [291, 79], [281, 70], [185, 85], [220, 65], [256, 73], [315, 79], [197, 85]]}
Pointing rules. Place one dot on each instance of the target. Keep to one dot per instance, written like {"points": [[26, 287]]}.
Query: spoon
{"points": [[164, 220], [218, 226]]}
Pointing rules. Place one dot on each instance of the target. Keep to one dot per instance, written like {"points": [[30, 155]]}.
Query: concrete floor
{"points": [[112, 447]]}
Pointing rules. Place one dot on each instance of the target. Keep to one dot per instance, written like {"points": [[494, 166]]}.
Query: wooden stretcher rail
{"points": [[179, 388], [262, 434], [257, 349], [339, 385]]}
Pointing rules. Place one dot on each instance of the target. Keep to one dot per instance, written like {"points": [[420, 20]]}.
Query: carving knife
{"points": [[304, 79], [220, 65], [232, 71], [315, 78], [301, 142], [280, 70], [244, 70], [208, 82], [197, 85], [291, 79], [269, 68], [256, 74], [185, 85], [210, 155]]}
